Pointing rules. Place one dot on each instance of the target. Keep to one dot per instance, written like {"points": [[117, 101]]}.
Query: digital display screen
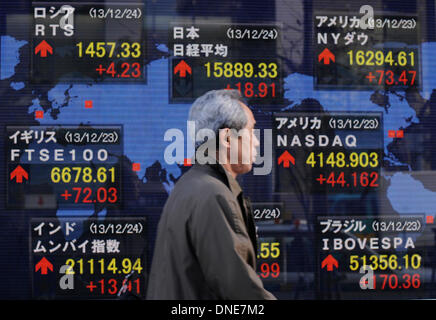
{"points": [[96, 135]]}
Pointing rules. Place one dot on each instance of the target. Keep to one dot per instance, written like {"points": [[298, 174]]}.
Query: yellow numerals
{"points": [[108, 49], [241, 70], [269, 250], [82, 174], [341, 160], [103, 266], [384, 262], [380, 58]]}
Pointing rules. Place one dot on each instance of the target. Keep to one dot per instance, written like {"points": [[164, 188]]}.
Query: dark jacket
{"points": [[206, 241]]}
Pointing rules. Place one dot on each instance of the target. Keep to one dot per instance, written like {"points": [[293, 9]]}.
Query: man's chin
{"points": [[245, 168]]}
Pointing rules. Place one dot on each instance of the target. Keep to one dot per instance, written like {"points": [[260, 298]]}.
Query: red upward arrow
{"points": [[18, 174], [286, 157], [326, 55], [43, 48], [44, 265], [181, 68], [329, 261]]}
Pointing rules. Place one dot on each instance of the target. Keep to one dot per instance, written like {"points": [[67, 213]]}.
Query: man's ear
{"points": [[224, 137]]}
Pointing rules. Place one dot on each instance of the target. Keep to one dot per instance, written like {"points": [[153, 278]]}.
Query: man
{"points": [[206, 241]]}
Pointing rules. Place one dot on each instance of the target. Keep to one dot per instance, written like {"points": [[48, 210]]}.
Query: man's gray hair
{"points": [[218, 109]]}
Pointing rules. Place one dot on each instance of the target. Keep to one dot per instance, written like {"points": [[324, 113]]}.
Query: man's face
{"points": [[245, 145]]}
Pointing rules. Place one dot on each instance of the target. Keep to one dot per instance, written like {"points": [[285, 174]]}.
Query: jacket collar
{"points": [[231, 182], [219, 171]]}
